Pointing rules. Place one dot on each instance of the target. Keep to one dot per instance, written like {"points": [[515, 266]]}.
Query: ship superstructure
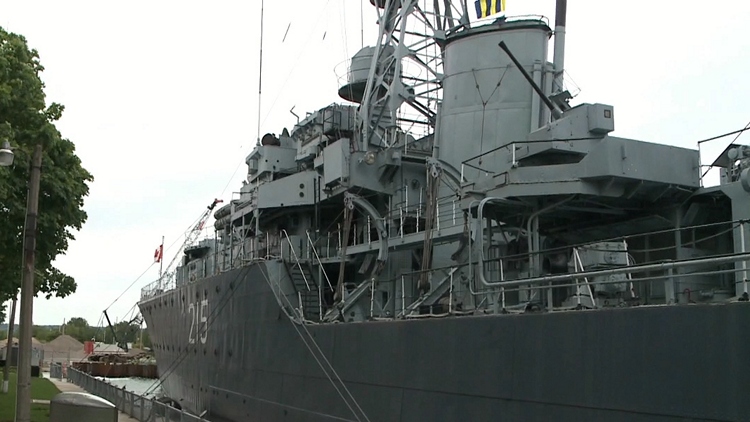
{"points": [[457, 234]]}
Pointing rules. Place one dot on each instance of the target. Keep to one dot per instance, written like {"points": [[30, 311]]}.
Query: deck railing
{"points": [[134, 405]]}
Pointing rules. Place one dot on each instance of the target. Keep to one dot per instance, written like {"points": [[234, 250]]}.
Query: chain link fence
{"points": [[132, 404]]}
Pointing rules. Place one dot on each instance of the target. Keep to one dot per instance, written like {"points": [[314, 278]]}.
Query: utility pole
{"points": [[23, 396], [6, 368]]}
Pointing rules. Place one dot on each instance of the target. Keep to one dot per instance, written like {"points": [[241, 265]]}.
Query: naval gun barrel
{"points": [[555, 111]]}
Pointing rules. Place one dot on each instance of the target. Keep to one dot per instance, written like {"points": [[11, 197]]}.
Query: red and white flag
{"points": [[158, 253]]}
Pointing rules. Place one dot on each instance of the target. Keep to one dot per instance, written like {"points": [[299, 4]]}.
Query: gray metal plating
{"points": [[496, 252]]}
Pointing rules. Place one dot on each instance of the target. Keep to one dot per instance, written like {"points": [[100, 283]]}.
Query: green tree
{"points": [[77, 322], [26, 120], [79, 329], [45, 334], [126, 332], [145, 340]]}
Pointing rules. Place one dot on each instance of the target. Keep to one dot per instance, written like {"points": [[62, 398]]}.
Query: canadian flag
{"points": [[158, 253]]}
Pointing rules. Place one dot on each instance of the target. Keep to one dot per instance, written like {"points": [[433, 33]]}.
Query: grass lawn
{"points": [[41, 388]]}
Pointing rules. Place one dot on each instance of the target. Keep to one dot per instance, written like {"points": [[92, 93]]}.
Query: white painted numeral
{"points": [[191, 311], [198, 312], [204, 320]]}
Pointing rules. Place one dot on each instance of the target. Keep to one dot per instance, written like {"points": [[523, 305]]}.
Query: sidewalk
{"points": [[65, 387]]}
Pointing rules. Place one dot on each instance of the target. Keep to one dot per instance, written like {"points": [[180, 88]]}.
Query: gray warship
{"points": [[456, 241]]}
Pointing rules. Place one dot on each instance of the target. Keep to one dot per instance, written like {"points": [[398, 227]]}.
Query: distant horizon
{"points": [[4, 326]]}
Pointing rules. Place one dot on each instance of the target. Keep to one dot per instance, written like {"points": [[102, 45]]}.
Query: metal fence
{"points": [[132, 404], [56, 370]]}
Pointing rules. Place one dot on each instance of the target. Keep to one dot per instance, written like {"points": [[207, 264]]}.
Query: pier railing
{"points": [[134, 405]]}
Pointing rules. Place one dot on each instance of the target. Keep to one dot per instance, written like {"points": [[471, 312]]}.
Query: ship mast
{"points": [[405, 69], [398, 83], [260, 71]]}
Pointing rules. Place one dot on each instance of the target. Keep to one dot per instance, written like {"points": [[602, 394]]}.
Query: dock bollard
{"points": [[66, 407]]}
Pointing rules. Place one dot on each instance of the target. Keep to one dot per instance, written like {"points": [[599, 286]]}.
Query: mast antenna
{"points": [[362, 24], [260, 71]]}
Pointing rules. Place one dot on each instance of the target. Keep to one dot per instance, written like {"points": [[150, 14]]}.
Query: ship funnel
{"points": [[559, 59]]}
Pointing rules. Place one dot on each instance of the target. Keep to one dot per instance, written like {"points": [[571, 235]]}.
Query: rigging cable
{"points": [[322, 355], [273, 103], [223, 301], [738, 132], [485, 102], [296, 63], [131, 285], [343, 26], [210, 319], [152, 264]]}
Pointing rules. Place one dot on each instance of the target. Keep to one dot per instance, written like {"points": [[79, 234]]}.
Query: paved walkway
{"points": [[66, 386]]}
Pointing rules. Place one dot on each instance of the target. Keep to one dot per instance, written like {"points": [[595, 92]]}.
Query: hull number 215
{"points": [[198, 312]]}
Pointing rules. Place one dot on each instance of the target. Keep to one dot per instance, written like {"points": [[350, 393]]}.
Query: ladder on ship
{"points": [[307, 289]]}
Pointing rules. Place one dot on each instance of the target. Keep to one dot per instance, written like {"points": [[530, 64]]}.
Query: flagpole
{"points": [[161, 257]]}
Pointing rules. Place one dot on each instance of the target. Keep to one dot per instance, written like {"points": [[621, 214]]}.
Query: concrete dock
{"points": [[65, 386]]}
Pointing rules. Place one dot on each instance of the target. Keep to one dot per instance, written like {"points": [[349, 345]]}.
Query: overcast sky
{"points": [[161, 100]]}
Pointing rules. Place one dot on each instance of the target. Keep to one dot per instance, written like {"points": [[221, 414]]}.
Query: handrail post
{"points": [[338, 234], [450, 295], [669, 293], [578, 283], [372, 297], [437, 216], [502, 289], [454, 212], [419, 208], [401, 213], [403, 296], [700, 165], [406, 197], [743, 249]]}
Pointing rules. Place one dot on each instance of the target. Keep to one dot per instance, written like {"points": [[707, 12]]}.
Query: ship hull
{"points": [[655, 363]]}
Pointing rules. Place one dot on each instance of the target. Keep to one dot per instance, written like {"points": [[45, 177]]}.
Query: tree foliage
{"points": [[26, 120], [79, 329], [127, 332], [45, 334]]}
